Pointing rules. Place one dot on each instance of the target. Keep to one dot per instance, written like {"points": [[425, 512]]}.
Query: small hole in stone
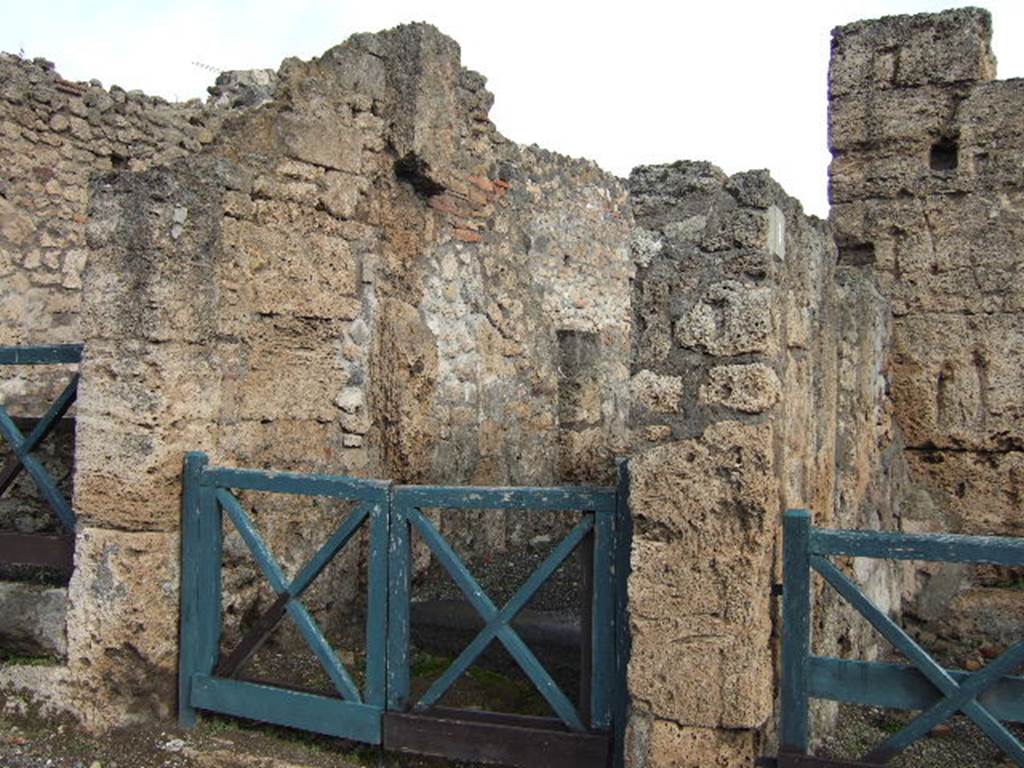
{"points": [[118, 162], [944, 155], [416, 171], [857, 254]]}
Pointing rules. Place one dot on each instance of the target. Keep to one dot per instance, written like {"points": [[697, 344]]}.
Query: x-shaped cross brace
{"points": [[498, 623], [288, 594], [23, 459], [957, 697]]}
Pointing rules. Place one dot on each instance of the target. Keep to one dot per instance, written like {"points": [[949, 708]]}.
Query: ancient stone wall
{"points": [[54, 135], [358, 276], [927, 206], [343, 267]]}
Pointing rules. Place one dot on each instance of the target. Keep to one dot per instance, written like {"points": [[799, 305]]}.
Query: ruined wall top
{"points": [[906, 51]]}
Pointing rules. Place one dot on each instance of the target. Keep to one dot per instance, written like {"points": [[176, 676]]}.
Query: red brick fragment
{"points": [[467, 236]]}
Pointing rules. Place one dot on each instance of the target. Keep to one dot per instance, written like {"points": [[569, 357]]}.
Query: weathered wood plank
{"points": [[906, 645], [944, 708], [456, 736], [335, 486], [398, 606], [623, 553], [900, 686], [189, 629], [375, 690], [602, 634], [941, 547], [293, 709], [564, 499], [796, 630], [41, 549], [53, 354]]}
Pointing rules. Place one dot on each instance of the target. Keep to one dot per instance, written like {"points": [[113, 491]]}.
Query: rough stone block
{"points": [[730, 318], [980, 492], [123, 626], [295, 273], [706, 511], [128, 476], [901, 117], [659, 394], [902, 51], [655, 743], [956, 381], [750, 388], [325, 140]]}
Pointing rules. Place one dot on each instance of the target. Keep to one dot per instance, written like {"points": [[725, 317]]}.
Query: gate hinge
{"points": [[776, 592]]}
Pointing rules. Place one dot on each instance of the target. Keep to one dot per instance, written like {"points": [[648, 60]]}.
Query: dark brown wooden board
{"points": [[810, 761], [37, 549], [515, 741]]}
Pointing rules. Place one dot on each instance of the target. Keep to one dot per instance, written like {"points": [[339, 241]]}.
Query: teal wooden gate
{"points": [[205, 677], [988, 697], [383, 713], [33, 548]]}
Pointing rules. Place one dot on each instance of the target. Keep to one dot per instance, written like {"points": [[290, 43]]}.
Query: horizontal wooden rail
{"points": [[938, 547], [48, 551], [54, 354], [900, 686], [296, 483]]}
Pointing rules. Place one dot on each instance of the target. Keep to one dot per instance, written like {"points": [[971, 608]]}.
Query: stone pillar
{"points": [[150, 391], [733, 415]]}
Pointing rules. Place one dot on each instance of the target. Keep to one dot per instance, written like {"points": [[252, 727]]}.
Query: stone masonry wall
{"points": [[54, 135], [927, 205], [358, 276]]}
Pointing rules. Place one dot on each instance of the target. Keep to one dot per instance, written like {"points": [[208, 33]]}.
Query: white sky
{"points": [[739, 83]]}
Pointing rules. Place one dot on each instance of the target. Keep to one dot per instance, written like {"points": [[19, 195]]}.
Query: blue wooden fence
{"points": [[205, 678], [393, 513], [988, 697], [21, 445]]}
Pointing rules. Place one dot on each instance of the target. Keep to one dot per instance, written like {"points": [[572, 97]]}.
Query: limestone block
{"points": [[944, 253], [981, 491], [34, 619], [750, 388], [659, 394], [123, 626], [902, 51], [281, 377], [128, 476], [706, 512], [956, 381], [730, 318], [917, 116], [989, 117], [327, 140], [656, 743], [294, 272]]}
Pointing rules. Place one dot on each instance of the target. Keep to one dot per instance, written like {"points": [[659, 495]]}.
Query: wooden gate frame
{"points": [[574, 737], [381, 713], [987, 696], [54, 551]]}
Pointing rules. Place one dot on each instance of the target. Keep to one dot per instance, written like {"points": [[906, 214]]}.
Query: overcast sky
{"points": [[742, 84]]}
